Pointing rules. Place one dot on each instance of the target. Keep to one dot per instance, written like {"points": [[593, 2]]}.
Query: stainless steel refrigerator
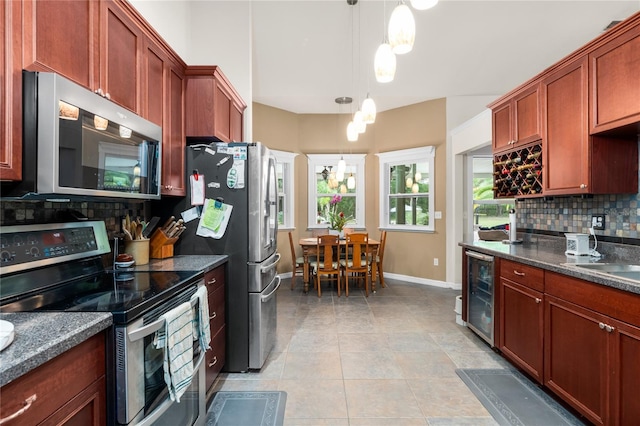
{"points": [[242, 175]]}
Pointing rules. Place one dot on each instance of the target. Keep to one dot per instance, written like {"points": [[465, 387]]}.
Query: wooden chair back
{"points": [[357, 259], [327, 261]]}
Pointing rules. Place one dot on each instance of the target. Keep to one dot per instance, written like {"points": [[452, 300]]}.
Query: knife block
{"points": [[161, 245]]}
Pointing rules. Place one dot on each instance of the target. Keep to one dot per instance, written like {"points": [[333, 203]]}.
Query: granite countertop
{"points": [[41, 336], [547, 252]]}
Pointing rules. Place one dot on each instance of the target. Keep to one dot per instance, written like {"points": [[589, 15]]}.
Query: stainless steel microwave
{"points": [[78, 144]]}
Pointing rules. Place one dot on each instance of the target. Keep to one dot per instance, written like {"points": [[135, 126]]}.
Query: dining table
{"points": [[309, 247]]}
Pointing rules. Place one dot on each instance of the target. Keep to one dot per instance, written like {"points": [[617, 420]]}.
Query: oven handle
{"points": [[155, 414], [146, 330], [266, 297], [479, 256]]}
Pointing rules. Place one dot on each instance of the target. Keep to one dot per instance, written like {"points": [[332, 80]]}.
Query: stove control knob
{"points": [[5, 256], [35, 252]]}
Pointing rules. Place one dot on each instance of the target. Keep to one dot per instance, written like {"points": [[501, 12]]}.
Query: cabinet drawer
{"points": [[528, 276], [215, 357], [214, 278], [54, 383], [216, 309]]}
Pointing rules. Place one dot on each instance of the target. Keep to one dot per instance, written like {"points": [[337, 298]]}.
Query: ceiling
{"points": [[307, 53]]}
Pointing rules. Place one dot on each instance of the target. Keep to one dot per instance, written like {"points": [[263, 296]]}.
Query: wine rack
{"points": [[518, 173]]}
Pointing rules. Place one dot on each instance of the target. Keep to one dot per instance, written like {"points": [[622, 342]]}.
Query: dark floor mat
{"points": [[512, 399], [247, 409]]}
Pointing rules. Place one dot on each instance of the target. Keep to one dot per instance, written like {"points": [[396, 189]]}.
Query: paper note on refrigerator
{"points": [[214, 219]]}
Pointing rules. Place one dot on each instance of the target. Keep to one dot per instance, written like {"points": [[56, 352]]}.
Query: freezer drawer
{"points": [[263, 316]]}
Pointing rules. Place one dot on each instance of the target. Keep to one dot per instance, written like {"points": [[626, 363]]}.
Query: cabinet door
{"points": [[614, 71], [155, 62], [121, 42], [502, 130], [87, 409], [52, 44], [576, 363], [173, 145], [625, 374], [526, 110], [222, 113], [566, 156], [11, 95], [521, 327]]}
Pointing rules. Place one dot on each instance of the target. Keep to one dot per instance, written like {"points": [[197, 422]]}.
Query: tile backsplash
{"points": [[573, 214], [32, 212]]}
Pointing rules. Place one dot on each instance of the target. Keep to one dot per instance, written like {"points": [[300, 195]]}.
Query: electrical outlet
{"points": [[597, 221], [435, 261]]}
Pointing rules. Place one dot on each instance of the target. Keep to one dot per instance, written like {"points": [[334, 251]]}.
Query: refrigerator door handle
{"points": [[271, 265], [265, 298]]}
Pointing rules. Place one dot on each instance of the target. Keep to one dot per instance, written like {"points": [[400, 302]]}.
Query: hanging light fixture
{"points": [[415, 188], [368, 110], [343, 189], [418, 176], [342, 167], [402, 29], [423, 4], [384, 63], [351, 182], [352, 132]]}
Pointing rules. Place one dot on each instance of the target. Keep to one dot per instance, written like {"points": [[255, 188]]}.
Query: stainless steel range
{"points": [[59, 267]]}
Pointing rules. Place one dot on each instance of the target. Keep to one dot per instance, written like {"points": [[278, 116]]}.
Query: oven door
{"points": [[141, 394]]}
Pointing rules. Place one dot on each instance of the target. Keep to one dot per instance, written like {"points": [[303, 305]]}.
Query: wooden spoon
{"points": [[139, 231]]}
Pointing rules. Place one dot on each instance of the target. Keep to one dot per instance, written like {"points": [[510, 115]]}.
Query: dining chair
{"points": [[327, 261], [356, 261], [378, 259], [297, 263]]}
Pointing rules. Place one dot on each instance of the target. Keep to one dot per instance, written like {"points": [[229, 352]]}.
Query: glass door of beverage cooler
{"points": [[480, 296]]}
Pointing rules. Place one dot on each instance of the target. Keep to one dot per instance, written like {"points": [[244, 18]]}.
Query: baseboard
{"points": [[407, 278]]}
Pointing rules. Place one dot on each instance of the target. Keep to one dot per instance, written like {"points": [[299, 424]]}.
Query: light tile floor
{"points": [[388, 359]]}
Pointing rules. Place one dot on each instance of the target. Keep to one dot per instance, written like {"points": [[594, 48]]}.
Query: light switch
{"points": [[438, 215]]}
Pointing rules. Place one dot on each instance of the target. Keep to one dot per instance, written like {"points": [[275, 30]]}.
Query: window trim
{"points": [[288, 158], [352, 160], [404, 156]]}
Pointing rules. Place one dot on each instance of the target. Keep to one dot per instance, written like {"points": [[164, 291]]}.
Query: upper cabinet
{"points": [[517, 120], [615, 83], [586, 112], [213, 107]]}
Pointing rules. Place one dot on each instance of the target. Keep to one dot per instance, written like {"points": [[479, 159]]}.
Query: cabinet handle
{"points": [[27, 404], [520, 274], [211, 281], [583, 186], [608, 328], [214, 361], [213, 316], [601, 325], [538, 300]]}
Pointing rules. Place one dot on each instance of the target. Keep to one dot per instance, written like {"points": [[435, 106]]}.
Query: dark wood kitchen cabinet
{"points": [[11, 95], [68, 390], [521, 320], [615, 88], [213, 107], [517, 119], [215, 357], [592, 347], [598, 164]]}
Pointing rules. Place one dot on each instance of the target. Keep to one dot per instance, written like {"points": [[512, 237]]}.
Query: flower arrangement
{"points": [[337, 218]]}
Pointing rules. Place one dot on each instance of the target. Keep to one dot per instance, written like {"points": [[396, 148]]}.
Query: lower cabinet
{"points": [[215, 357], [67, 390], [592, 349]]}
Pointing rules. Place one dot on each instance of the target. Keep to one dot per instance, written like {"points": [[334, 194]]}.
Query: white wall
{"points": [[208, 33], [471, 135]]}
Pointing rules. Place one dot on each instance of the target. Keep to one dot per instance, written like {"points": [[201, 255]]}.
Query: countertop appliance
{"points": [[577, 244], [78, 144], [59, 267], [480, 294], [242, 175]]}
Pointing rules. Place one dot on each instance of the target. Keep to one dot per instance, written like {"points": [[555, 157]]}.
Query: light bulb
{"points": [[402, 29], [384, 63]]}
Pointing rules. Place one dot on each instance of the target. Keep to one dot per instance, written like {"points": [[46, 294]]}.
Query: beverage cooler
{"points": [[480, 295]]}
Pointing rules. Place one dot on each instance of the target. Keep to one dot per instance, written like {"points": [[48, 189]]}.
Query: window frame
{"points": [[287, 159], [354, 161], [402, 157]]}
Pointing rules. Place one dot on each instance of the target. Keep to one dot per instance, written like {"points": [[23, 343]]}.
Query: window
{"points": [[324, 183], [284, 174], [487, 211], [407, 189]]}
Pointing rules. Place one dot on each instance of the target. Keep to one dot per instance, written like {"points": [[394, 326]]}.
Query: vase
{"points": [[340, 234]]}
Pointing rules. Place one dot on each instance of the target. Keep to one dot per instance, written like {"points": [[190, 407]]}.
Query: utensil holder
{"points": [[139, 249], [161, 245]]}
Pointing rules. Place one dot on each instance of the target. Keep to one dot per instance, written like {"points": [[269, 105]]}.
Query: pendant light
{"points": [[384, 63], [342, 167], [402, 29], [351, 182], [423, 4], [368, 110], [352, 132]]}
